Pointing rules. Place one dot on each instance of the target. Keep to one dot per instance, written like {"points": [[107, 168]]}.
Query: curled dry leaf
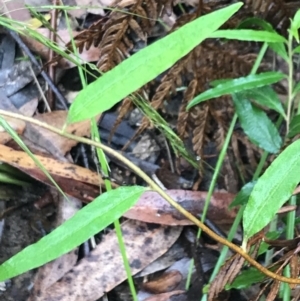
{"points": [[57, 145], [152, 208], [103, 269], [17, 124], [226, 275], [167, 282]]}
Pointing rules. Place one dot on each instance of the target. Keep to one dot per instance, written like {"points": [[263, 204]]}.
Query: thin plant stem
{"points": [[291, 216], [212, 185], [238, 218], [161, 192], [104, 166]]}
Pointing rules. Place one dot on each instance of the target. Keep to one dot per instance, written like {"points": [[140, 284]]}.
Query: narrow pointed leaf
{"points": [[295, 26], [238, 85], [145, 65], [272, 190], [279, 48], [294, 126], [246, 279], [257, 125], [249, 35], [88, 221]]}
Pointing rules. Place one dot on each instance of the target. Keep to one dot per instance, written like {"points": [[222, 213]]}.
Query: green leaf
{"points": [[263, 248], [246, 279], [279, 48], [272, 190], [249, 35], [238, 85], [294, 126], [297, 49], [250, 22], [256, 124], [91, 219], [243, 195], [266, 96], [145, 65], [297, 88], [295, 26]]}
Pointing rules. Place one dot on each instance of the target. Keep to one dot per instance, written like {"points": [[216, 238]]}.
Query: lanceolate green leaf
{"points": [[294, 126], [88, 221], [256, 124], [248, 35], [295, 26], [272, 190], [145, 65], [238, 85]]}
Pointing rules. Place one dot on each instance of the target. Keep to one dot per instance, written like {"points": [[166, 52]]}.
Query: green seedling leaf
{"points": [[266, 96], [246, 279], [145, 65], [294, 126], [249, 35], [272, 190], [256, 124], [238, 85], [295, 26], [243, 196], [91, 219], [280, 49]]}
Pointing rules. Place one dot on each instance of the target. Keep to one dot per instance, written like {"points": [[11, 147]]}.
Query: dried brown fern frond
{"points": [[183, 114], [88, 37], [276, 12], [226, 275], [124, 30]]}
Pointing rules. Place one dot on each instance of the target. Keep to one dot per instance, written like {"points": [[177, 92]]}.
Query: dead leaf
{"points": [[152, 208], [15, 10], [103, 269], [52, 142], [74, 180], [17, 124], [167, 282]]}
